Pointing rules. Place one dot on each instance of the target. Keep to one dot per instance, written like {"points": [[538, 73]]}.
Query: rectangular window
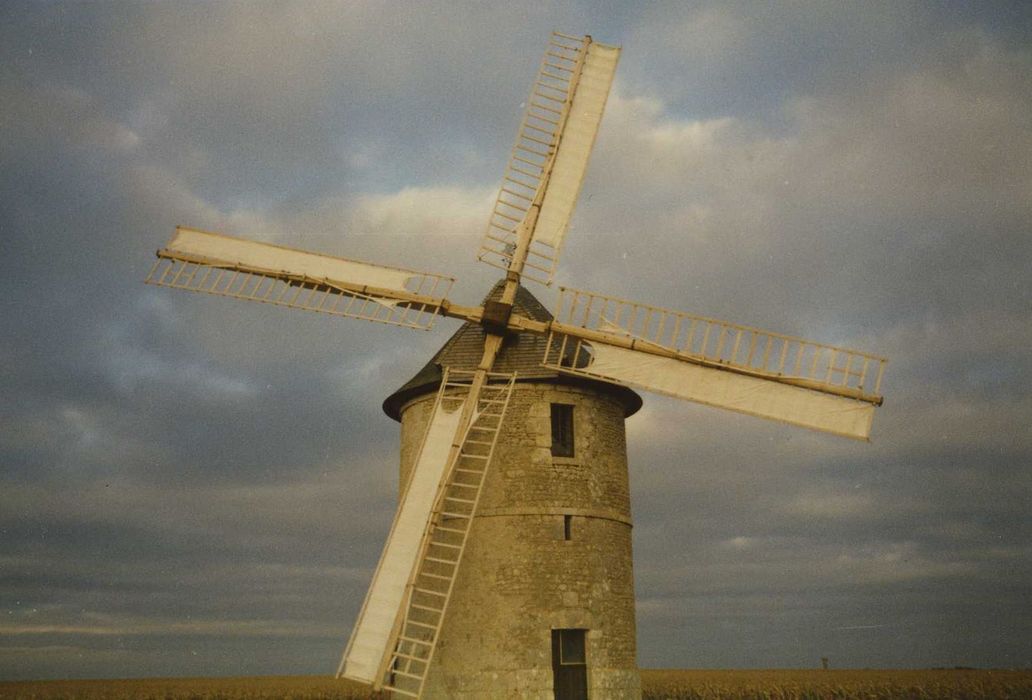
{"points": [[569, 665], [562, 430], [567, 527]]}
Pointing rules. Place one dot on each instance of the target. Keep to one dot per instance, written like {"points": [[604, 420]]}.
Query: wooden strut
{"points": [[521, 323], [640, 345], [339, 285]]}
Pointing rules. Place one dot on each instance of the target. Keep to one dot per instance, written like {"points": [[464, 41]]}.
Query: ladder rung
{"points": [[410, 657], [536, 176], [558, 67], [444, 544], [424, 590], [424, 607], [562, 91], [416, 641], [528, 162], [421, 624], [553, 41], [395, 689], [498, 213], [538, 267], [440, 528], [528, 149], [493, 238], [521, 183], [547, 109], [465, 516], [563, 78], [578, 39], [468, 471], [396, 672], [398, 655], [534, 92], [427, 573], [510, 204], [474, 456], [547, 132], [459, 484], [478, 442], [542, 118], [538, 141], [442, 561], [506, 190], [553, 53], [458, 500]]}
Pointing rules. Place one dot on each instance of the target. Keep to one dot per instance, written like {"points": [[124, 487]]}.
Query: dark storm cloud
{"points": [[193, 485]]}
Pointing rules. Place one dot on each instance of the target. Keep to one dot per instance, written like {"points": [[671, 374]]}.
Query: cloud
{"points": [[72, 117], [856, 175], [441, 212], [900, 168]]}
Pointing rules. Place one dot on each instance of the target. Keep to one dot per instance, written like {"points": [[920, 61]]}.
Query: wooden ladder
{"points": [[447, 533]]}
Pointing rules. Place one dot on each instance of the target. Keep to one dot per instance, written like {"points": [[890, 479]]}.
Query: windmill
{"points": [[593, 348]]}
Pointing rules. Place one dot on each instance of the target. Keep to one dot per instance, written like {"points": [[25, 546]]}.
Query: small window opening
{"points": [[567, 527], [562, 430], [569, 665]]}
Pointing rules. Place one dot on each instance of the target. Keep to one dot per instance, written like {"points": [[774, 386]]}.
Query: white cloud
{"points": [[434, 212]]}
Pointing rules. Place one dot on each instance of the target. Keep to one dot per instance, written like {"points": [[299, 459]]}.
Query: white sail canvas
{"points": [[736, 392], [216, 248], [578, 137], [386, 593]]}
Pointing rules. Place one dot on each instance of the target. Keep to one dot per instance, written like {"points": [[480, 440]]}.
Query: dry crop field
{"points": [[835, 684], [656, 685]]}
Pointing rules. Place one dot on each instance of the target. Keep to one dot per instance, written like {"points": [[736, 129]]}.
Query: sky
{"points": [[194, 486]]}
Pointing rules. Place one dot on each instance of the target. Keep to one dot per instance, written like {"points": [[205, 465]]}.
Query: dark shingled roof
{"points": [[521, 353]]}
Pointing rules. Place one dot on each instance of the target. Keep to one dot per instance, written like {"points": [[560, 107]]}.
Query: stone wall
{"points": [[520, 578]]}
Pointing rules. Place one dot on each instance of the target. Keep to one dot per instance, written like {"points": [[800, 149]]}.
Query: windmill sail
{"points": [[212, 263], [543, 178], [396, 633], [717, 363], [372, 632], [578, 138]]}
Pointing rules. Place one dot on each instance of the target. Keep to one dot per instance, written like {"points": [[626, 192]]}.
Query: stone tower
{"points": [[543, 606]]}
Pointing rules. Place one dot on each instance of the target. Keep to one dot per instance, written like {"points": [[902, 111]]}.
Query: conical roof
{"points": [[520, 352]]}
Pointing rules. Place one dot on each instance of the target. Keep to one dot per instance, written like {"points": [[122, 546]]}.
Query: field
{"points": [[656, 685], [835, 684]]}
